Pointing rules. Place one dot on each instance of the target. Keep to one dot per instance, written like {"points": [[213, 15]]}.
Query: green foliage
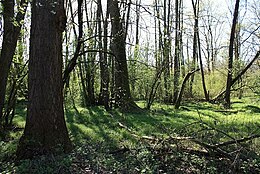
{"points": [[44, 165], [103, 145]]}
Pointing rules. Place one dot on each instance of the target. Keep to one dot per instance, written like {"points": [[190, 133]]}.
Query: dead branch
{"points": [[227, 111], [209, 149], [237, 141]]}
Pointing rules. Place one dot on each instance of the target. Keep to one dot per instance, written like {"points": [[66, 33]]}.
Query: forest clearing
{"points": [[129, 86]]}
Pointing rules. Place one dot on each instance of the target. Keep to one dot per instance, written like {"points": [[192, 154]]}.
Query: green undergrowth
{"points": [[144, 143]]}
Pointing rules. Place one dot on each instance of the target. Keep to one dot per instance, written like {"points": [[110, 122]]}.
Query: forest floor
{"points": [[198, 138]]}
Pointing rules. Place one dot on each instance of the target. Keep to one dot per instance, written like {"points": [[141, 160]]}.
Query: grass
{"points": [[101, 145]]}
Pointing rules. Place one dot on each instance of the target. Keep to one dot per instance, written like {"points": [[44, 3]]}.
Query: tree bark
{"points": [[202, 69], [104, 73], [45, 130], [177, 53], [123, 96], [10, 37], [166, 51], [195, 46], [230, 55]]}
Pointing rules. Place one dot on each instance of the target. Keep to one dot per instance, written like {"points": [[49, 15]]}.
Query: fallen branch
{"points": [[226, 111], [237, 141], [209, 149], [213, 148]]}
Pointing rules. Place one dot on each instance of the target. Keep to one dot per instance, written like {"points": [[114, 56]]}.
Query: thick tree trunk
{"points": [[123, 96], [10, 37], [45, 130], [230, 55]]}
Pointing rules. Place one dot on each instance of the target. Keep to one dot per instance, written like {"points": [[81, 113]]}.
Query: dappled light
{"points": [[129, 86]]}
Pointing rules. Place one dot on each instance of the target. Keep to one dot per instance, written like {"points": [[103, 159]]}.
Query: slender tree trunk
{"points": [[230, 55], [177, 53], [182, 61], [237, 60], [104, 93], [166, 52], [82, 82], [239, 76], [72, 63], [10, 37], [18, 73], [195, 46], [136, 48], [202, 71], [45, 130], [196, 15]]}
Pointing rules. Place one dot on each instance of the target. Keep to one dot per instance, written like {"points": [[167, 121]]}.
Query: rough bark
{"points": [[45, 130]]}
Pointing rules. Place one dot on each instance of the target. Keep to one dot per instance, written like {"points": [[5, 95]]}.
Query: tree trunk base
{"points": [[130, 107], [28, 149]]}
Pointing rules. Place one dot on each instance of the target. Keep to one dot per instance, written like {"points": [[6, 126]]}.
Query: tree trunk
{"points": [[196, 15], [45, 130], [166, 51], [177, 53], [104, 93], [10, 37], [123, 96], [73, 62], [186, 78], [195, 46], [239, 76], [230, 56]]}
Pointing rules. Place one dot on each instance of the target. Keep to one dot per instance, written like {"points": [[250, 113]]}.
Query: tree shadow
{"points": [[252, 108]]}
